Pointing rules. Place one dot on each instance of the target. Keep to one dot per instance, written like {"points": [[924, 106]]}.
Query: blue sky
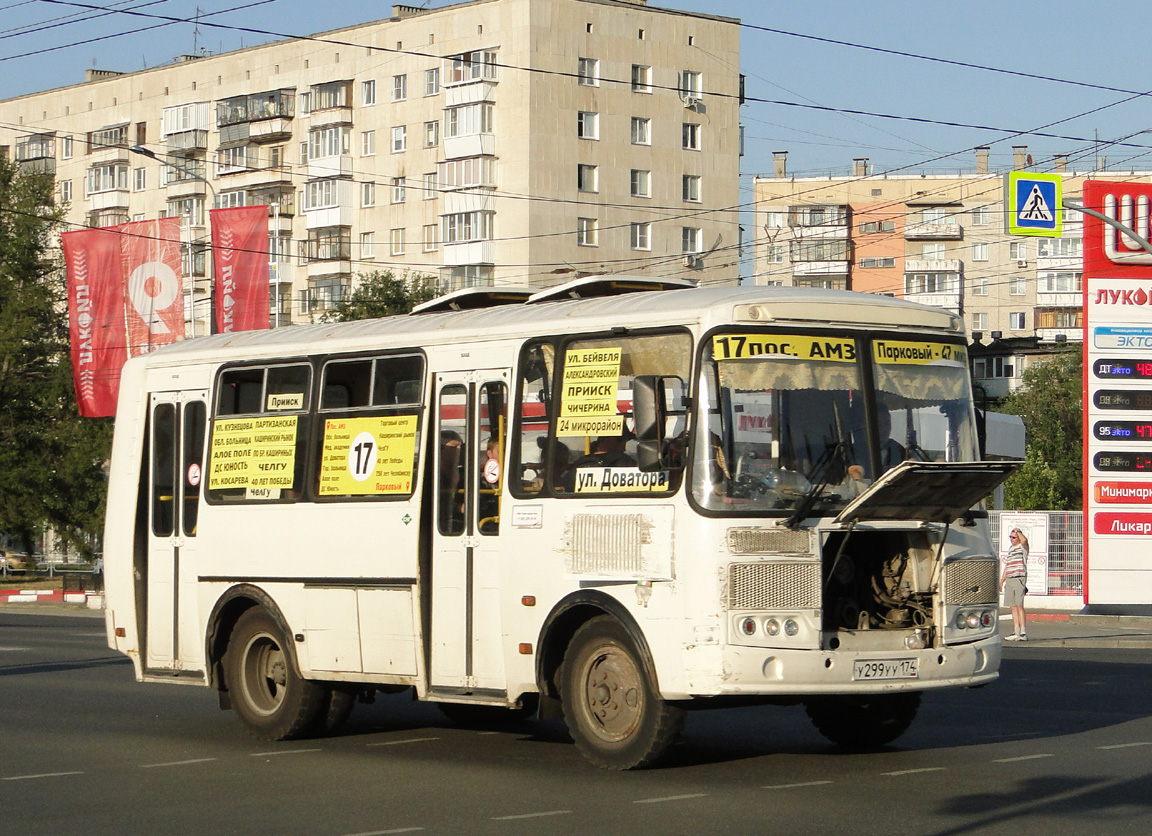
{"points": [[1074, 41]]}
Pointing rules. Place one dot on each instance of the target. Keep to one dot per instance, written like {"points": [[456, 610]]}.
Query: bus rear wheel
{"points": [[271, 700], [612, 710], [863, 722]]}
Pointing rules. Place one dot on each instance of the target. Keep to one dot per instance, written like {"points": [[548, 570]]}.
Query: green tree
{"points": [[383, 293], [51, 459], [1050, 404]]}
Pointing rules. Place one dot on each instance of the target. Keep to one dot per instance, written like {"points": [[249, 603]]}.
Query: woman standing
{"points": [[1012, 583]]}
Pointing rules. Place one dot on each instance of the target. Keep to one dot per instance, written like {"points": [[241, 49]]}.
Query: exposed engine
{"points": [[878, 581]]}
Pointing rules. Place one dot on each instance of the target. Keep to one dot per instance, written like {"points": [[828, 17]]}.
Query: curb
{"points": [[93, 600]]}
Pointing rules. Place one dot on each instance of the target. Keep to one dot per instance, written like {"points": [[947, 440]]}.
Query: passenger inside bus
{"points": [[450, 482]]}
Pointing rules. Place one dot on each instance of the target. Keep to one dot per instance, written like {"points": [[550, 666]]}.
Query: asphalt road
{"points": [[1061, 744]]}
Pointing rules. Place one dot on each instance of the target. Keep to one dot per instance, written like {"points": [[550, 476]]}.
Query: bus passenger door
{"points": [[466, 649], [177, 425]]}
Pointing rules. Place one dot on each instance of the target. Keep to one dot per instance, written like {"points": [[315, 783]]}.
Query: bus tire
{"points": [[863, 721], [336, 707], [611, 708], [270, 698]]}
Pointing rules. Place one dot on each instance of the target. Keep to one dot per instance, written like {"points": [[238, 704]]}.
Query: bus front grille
{"points": [[970, 582], [774, 586]]}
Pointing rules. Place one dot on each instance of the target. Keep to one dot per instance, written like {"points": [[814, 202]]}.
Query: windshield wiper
{"points": [[832, 453]]}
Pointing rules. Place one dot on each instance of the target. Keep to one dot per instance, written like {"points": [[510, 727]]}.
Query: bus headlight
{"points": [[748, 626], [791, 628], [772, 627]]}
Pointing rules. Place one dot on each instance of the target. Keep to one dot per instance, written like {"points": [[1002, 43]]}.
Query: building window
{"points": [[588, 125], [399, 139], [587, 178], [641, 130], [367, 245], [586, 232], [930, 283], [468, 172], [432, 134], [1059, 247], [640, 183], [398, 189], [691, 86], [303, 153], [980, 216], [1018, 250], [690, 134], [775, 254], [979, 321], [1060, 318], [472, 66], [588, 72], [431, 187], [979, 285], [932, 251], [468, 119], [641, 236], [65, 191], [641, 79], [430, 238], [106, 178], [980, 252], [367, 194], [432, 81], [1060, 281], [327, 142], [1016, 321], [232, 199], [367, 143], [819, 249], [139, 179], [368, 92], [306, 102], [775, 220], [467, 226], [65, 147], [872, 227], [396, 238], [877, 263], [689, 239], [1017, 285], [692, 187], [322, 194], [399, 87]]}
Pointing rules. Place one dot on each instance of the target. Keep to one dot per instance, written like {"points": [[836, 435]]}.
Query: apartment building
{"points": [[492, 142], [938, 239]]}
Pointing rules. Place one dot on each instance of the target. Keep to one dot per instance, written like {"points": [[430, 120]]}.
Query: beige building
{"points": [[493, 142], [934, 238]]}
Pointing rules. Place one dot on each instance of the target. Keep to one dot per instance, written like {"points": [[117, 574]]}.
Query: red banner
{"points": [[154, 289], [95, 271], [240, 259]]}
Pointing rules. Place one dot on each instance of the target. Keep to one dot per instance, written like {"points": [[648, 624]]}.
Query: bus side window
{"points": [[164, 470], [528, 452], [398, 380]]}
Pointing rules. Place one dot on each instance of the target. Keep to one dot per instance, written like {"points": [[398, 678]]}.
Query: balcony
{"points": [[1051, 335], [462, 94], [472, 200], [820, 268], [186, 142], [932, 265], [277, 106], [469, 145], [469, 252], [934, 231], [111, 199], [342, 165]]}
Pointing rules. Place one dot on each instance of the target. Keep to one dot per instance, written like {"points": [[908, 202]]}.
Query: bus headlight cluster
{"points": [[974, 619], [772, 627]]}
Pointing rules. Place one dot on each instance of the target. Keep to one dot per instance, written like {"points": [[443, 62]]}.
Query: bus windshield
{"points": [[788, 419]]}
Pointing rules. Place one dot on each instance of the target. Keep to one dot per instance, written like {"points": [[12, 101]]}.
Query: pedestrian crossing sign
{"points": [[1032, 204]]}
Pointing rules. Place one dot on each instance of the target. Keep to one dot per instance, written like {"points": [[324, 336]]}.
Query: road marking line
{"points": [[914, 771], [284, 752], [386, 832], [175, 763], [795, 786], [1023, 758], [532, 815], [407, 740], [669, 798], [41, 775], [1126, 745]]}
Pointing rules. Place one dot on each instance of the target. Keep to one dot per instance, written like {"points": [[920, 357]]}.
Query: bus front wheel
{"points": [[612, 710], [863, 722], [271, 700]]}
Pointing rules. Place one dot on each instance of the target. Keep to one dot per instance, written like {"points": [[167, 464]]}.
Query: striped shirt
{"points": [[1015, 565]]}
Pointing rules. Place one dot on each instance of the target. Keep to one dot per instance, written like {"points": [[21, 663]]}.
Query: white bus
{"points": [[612, 501]]}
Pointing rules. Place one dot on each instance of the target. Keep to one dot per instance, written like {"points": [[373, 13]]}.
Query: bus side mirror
{"points": [[650, 414]]}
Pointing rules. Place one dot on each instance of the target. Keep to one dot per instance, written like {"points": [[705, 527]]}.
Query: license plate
{"points": [[885, 669]]}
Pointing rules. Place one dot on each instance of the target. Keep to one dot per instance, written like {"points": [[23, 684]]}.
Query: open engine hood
{"points": [[927, 491]]}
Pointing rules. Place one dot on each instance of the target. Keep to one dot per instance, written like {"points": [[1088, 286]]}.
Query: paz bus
{"points": [[613, 501]]}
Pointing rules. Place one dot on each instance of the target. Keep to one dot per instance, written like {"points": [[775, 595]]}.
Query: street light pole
{"points": [[209, 267]]}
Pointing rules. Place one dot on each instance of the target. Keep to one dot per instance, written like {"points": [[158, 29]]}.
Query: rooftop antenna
{"points": [[196, 32]]}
